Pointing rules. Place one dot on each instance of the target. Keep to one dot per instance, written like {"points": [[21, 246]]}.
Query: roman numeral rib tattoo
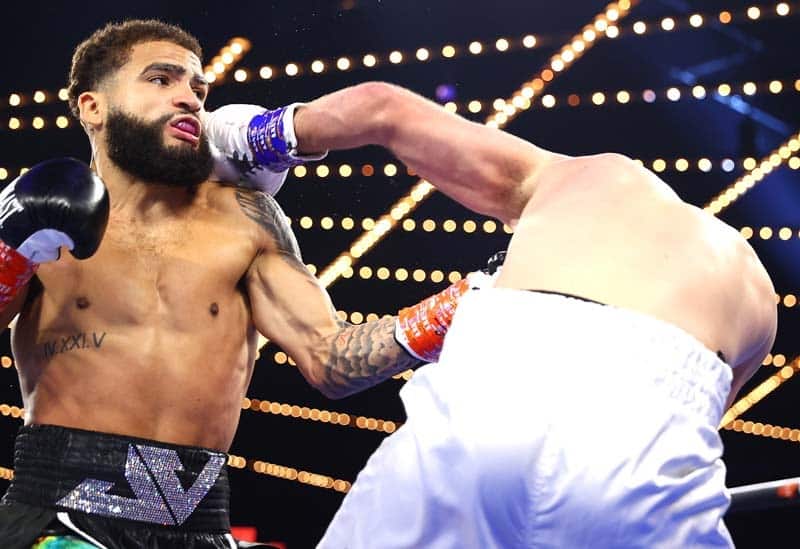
{"points": [[74, 342]]}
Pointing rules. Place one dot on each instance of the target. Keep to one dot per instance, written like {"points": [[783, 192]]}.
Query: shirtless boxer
{"points": [[575, 403], [133, 362]]}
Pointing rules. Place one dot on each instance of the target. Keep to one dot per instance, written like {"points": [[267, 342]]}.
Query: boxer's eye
{"points": [[160, 80]]}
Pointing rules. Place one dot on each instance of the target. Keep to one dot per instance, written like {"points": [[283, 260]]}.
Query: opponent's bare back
{"points": [[605, 228]]}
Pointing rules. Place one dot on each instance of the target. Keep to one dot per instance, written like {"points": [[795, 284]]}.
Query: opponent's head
{"points": [[138, 88]]}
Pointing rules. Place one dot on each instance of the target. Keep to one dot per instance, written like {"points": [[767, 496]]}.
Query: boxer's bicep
{"points": [[291, 308]]}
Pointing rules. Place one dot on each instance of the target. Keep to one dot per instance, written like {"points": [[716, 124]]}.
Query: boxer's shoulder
{"points": [[254, 211]]}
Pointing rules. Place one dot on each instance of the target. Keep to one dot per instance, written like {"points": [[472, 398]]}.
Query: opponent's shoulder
{"points": [[605, 173], [608, 184]]}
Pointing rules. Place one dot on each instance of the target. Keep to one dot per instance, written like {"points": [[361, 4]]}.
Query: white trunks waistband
{"points": [[571, 340]]}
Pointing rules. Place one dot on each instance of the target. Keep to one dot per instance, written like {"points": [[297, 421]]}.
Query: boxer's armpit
{"points": [[362, 356], [81, 341]]}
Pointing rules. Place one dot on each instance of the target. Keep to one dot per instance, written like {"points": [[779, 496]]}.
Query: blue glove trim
{"points": [[266, 138]]}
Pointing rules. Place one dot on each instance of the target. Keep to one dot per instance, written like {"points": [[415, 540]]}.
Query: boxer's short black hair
{"points": [[109, 48]]}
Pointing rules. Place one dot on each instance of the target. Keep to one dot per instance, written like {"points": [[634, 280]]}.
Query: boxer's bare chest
{"points": [[168, 268]]}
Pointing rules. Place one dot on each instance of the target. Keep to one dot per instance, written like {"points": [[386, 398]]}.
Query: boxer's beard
{"points": [[137, 147]]}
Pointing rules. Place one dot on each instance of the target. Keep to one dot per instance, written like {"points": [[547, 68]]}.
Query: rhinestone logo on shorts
{"points": [[160, 497]]}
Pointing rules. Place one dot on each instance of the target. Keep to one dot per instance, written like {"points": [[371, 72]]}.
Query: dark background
{"points": [[37, 40]]}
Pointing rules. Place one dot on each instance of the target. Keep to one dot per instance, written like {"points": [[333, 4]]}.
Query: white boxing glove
{"points": [[252, 146]]}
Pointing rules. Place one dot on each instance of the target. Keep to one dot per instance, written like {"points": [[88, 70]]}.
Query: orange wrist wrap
{"points": [[421, 328]]}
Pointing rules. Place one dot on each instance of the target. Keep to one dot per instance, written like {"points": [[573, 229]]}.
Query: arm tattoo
{"points": [[361, 355], [364, 355], [264, 210]]}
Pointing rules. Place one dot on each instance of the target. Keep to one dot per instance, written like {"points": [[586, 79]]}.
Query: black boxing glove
{"points": [[56, 203]]}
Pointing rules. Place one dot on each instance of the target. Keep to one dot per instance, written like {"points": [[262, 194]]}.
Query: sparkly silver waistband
{"points": [[122, 478], [151, 474]]}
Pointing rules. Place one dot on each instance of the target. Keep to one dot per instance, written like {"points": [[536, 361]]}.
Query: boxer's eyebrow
{"points": [[174, 70]]}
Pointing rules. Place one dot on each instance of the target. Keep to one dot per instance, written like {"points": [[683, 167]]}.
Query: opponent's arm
{"points": [[292, 309], [485, 169]]}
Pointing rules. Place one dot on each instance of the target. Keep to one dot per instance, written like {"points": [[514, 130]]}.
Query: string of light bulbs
{"points": [[595, 99], [289, 473], [390, 169], [264, 468], [764, 429], [706, 165], [777, 360], [609, 27], [470, 226], [767, 233], [227, 58], [762, 390], [428, 225], [322, 416], [15, 412], [788, 300], [224, 62], [606, 98], [342, 172], [747, 181]]}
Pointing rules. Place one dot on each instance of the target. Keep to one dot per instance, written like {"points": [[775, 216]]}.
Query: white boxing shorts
{"points": [[550, 421]]}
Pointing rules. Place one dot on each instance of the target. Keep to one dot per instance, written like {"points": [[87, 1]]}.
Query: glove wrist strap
{"points": [[271, 137], [421, 328]]}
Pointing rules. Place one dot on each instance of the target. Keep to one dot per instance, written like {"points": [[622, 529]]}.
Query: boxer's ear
{"points": [[92, 108]]}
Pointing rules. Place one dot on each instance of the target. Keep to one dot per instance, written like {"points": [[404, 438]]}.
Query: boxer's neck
{"points": [[138, 197]]}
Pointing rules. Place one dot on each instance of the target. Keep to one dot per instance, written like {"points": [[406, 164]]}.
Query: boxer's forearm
{"points": [[361, 356]]}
